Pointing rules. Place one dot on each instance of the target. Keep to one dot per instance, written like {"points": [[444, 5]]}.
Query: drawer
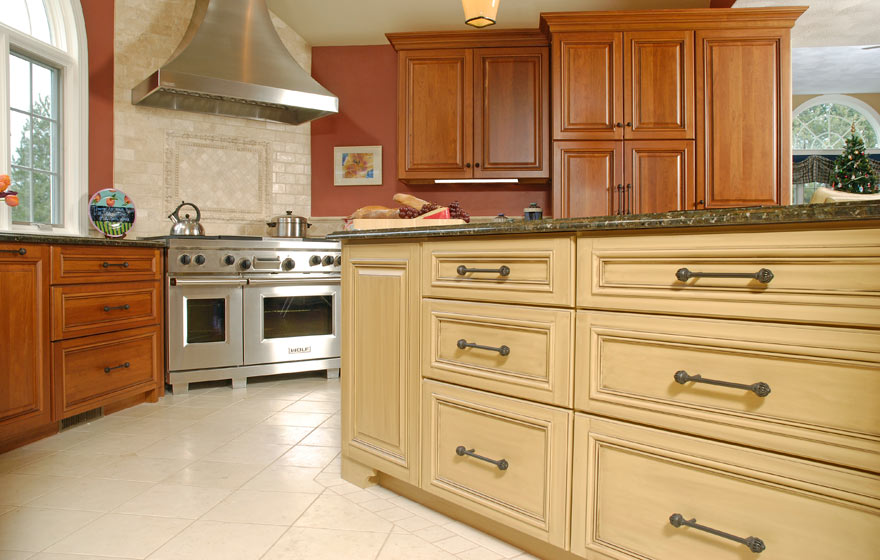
{"points": [[824, 383], [94, 370], [529, 491], [827, 276], [97, 308], [628, 481], [537, 270], [74, 264], [529, 349]]}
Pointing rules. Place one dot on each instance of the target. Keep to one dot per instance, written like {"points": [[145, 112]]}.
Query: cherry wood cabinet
{"points": [[475, 112], [25, 403]]}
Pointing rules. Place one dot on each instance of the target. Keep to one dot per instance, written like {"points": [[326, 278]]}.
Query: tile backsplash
{"points": [[239, 172]]}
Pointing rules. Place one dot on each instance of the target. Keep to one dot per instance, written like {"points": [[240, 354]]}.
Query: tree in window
{"points": [[36, 143], [852, 170]]}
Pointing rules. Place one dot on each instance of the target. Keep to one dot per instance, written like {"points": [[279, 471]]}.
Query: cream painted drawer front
{"points": [[824, 383], [532, 352], [530, 493], [628, 481], [830, 276], [538, 270]]}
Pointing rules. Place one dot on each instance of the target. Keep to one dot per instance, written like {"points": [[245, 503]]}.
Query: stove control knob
{"points": [[328, 260], [200, 259], [229, 259], [185, 259], [244, 264], [315, 260], [338, 261], [288, 264]]}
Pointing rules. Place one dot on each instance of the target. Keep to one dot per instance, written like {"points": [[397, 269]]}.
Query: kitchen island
{"points": [[683, 385]]}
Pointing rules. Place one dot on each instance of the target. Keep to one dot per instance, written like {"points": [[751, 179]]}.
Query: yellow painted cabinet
{"points": [[380, 359]]}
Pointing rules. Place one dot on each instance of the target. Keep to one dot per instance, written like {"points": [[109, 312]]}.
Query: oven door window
{"points": [[295, 316], [205, 320]]}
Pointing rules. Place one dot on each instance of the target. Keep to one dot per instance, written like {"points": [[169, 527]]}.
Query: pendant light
{"points": [[480, 13]]}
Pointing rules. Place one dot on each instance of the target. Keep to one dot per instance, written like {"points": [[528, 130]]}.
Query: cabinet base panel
{"points": [[128, 402], [28, 436], [358, 473]]}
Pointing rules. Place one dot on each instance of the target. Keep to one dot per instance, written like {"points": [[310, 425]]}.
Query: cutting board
{"points": [[366, 223]]}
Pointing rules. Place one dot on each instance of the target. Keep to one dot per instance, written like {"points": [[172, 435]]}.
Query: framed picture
{"points": [[357, 165]]}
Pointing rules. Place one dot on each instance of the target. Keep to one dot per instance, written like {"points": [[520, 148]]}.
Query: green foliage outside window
{"points": [[31, 167], [825, 126]]}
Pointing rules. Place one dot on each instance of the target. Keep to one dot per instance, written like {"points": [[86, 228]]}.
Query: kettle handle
{"points": [[182, 204]]}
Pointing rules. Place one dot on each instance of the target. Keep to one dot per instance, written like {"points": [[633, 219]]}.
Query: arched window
{"points": [[820, 127], [44, 119]]}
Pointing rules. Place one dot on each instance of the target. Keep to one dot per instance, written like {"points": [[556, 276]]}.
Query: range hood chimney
{"points": [[231, 62]]}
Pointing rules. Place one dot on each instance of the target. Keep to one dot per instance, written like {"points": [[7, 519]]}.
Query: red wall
{"points": [[365, 80], [98, 15]]}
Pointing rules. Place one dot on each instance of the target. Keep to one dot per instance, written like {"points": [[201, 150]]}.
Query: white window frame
{"points": [[71, 57], [869, 113]]}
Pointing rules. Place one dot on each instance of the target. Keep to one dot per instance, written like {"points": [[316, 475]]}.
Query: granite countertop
{"points": [[800, 214], [12, 237]]}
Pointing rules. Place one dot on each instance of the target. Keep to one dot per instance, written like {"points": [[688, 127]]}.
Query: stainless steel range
{"points": [[244, 307]]}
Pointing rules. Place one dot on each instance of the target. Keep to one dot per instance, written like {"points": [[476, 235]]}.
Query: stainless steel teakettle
{"points": [[187, 225]]}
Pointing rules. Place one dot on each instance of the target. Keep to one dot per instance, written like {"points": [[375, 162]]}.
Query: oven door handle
{"points": [[208, 281], [294, 282]]}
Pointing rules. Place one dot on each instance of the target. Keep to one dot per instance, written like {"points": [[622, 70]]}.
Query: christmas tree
{"points": [[852, 170]]}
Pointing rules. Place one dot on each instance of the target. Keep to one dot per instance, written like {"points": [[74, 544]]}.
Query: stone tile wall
{"points": [[239, 172]]}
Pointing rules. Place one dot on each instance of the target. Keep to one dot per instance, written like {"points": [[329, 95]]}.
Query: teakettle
{"points": [[186, 226]]}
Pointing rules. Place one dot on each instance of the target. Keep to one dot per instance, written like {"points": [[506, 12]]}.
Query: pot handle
{"points": [[308, 225], [182, 204], [271, 224]]}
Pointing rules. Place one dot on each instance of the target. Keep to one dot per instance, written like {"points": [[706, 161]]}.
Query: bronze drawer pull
{"points": [[754, 544], [763, 276], [20, 251], [108, 265], [503, 270], [760, 388], [502, 464], [503, 349], [109, 369], [125, 307]]}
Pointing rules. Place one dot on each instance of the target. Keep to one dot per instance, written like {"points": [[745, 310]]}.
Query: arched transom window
{"points": [[824, 122]]}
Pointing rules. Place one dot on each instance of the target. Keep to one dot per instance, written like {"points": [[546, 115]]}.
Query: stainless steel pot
{"points": [[288, 226]]}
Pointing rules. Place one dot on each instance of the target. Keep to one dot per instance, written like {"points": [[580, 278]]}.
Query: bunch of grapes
{"points": [[408, 212], [455, 211], [429, 207]]}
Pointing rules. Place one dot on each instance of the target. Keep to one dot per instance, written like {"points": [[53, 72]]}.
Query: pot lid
{"points": [[289, 218]]}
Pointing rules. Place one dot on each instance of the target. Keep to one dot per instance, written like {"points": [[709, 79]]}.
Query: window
{"points": [[819, 130], [43, 120]]}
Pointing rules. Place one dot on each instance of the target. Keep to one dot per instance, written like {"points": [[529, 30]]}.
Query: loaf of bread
{"points": [[409, 200], [375, 212]]}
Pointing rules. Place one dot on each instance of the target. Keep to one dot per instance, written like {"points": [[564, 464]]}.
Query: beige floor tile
{"points": [[455, 544], [264, 433], [302, 419], [183, 413], [261, 404], [128, 536], [174, 500], [213, 540], [211, 432], [247, 452], [266, 508], [434, 533], [111, 443], [19, 489], [61, 441], [394, 513], [330, 395], [308, 456], [326, 407], [67, 463], [212, 474], [5, 509], [325, 437], [300, 543], [479, 553], [413, 523], [435, 517], [17, 458], [486, 541], [105, 424], [334, 421], [143, 469], [376, 504], [335, 466], [235, 417], [332, 480], [57, 556], [180, 447], [15, 555], [335, 512], [407, 547], [90, 494], [152, 426], [286, 479], [33, 529]]}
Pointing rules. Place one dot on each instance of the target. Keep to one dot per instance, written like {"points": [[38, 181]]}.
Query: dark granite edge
{"points": [[800, 214], [13, 237]]}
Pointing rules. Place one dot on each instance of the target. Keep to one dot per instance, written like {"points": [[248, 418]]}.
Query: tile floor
{"points": [[216, 474]]}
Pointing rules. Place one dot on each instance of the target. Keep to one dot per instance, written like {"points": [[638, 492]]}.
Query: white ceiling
{"points": [[361, 22], [835, 70]]}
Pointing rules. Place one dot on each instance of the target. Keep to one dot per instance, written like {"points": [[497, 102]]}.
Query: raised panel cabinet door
{"points": [[658, 175], [380, 357], [587, 78], [743, 118], [512, 112], [659, 84], [24, 360], [435, 117], [587, 178]]}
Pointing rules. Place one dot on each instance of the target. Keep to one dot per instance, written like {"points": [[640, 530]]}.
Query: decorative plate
{"points": [[111, 212]]}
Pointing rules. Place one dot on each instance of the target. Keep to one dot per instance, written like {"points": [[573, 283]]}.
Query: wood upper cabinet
{"points": [[744, 122], [613, 85], [25, 403], [471, 113]]}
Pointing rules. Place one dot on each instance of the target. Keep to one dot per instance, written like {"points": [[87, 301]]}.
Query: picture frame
{"points": [[357, 165]]}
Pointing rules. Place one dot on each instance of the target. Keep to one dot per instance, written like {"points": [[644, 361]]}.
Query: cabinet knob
{"points": [[477, 164], [629, 124], [468, 165], [619, 125]]}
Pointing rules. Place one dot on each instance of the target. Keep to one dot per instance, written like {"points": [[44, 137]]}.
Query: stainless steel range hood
{"points": [[231, 62]]}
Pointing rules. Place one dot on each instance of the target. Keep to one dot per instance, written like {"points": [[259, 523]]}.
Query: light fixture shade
{"points": [[480, 13]]}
